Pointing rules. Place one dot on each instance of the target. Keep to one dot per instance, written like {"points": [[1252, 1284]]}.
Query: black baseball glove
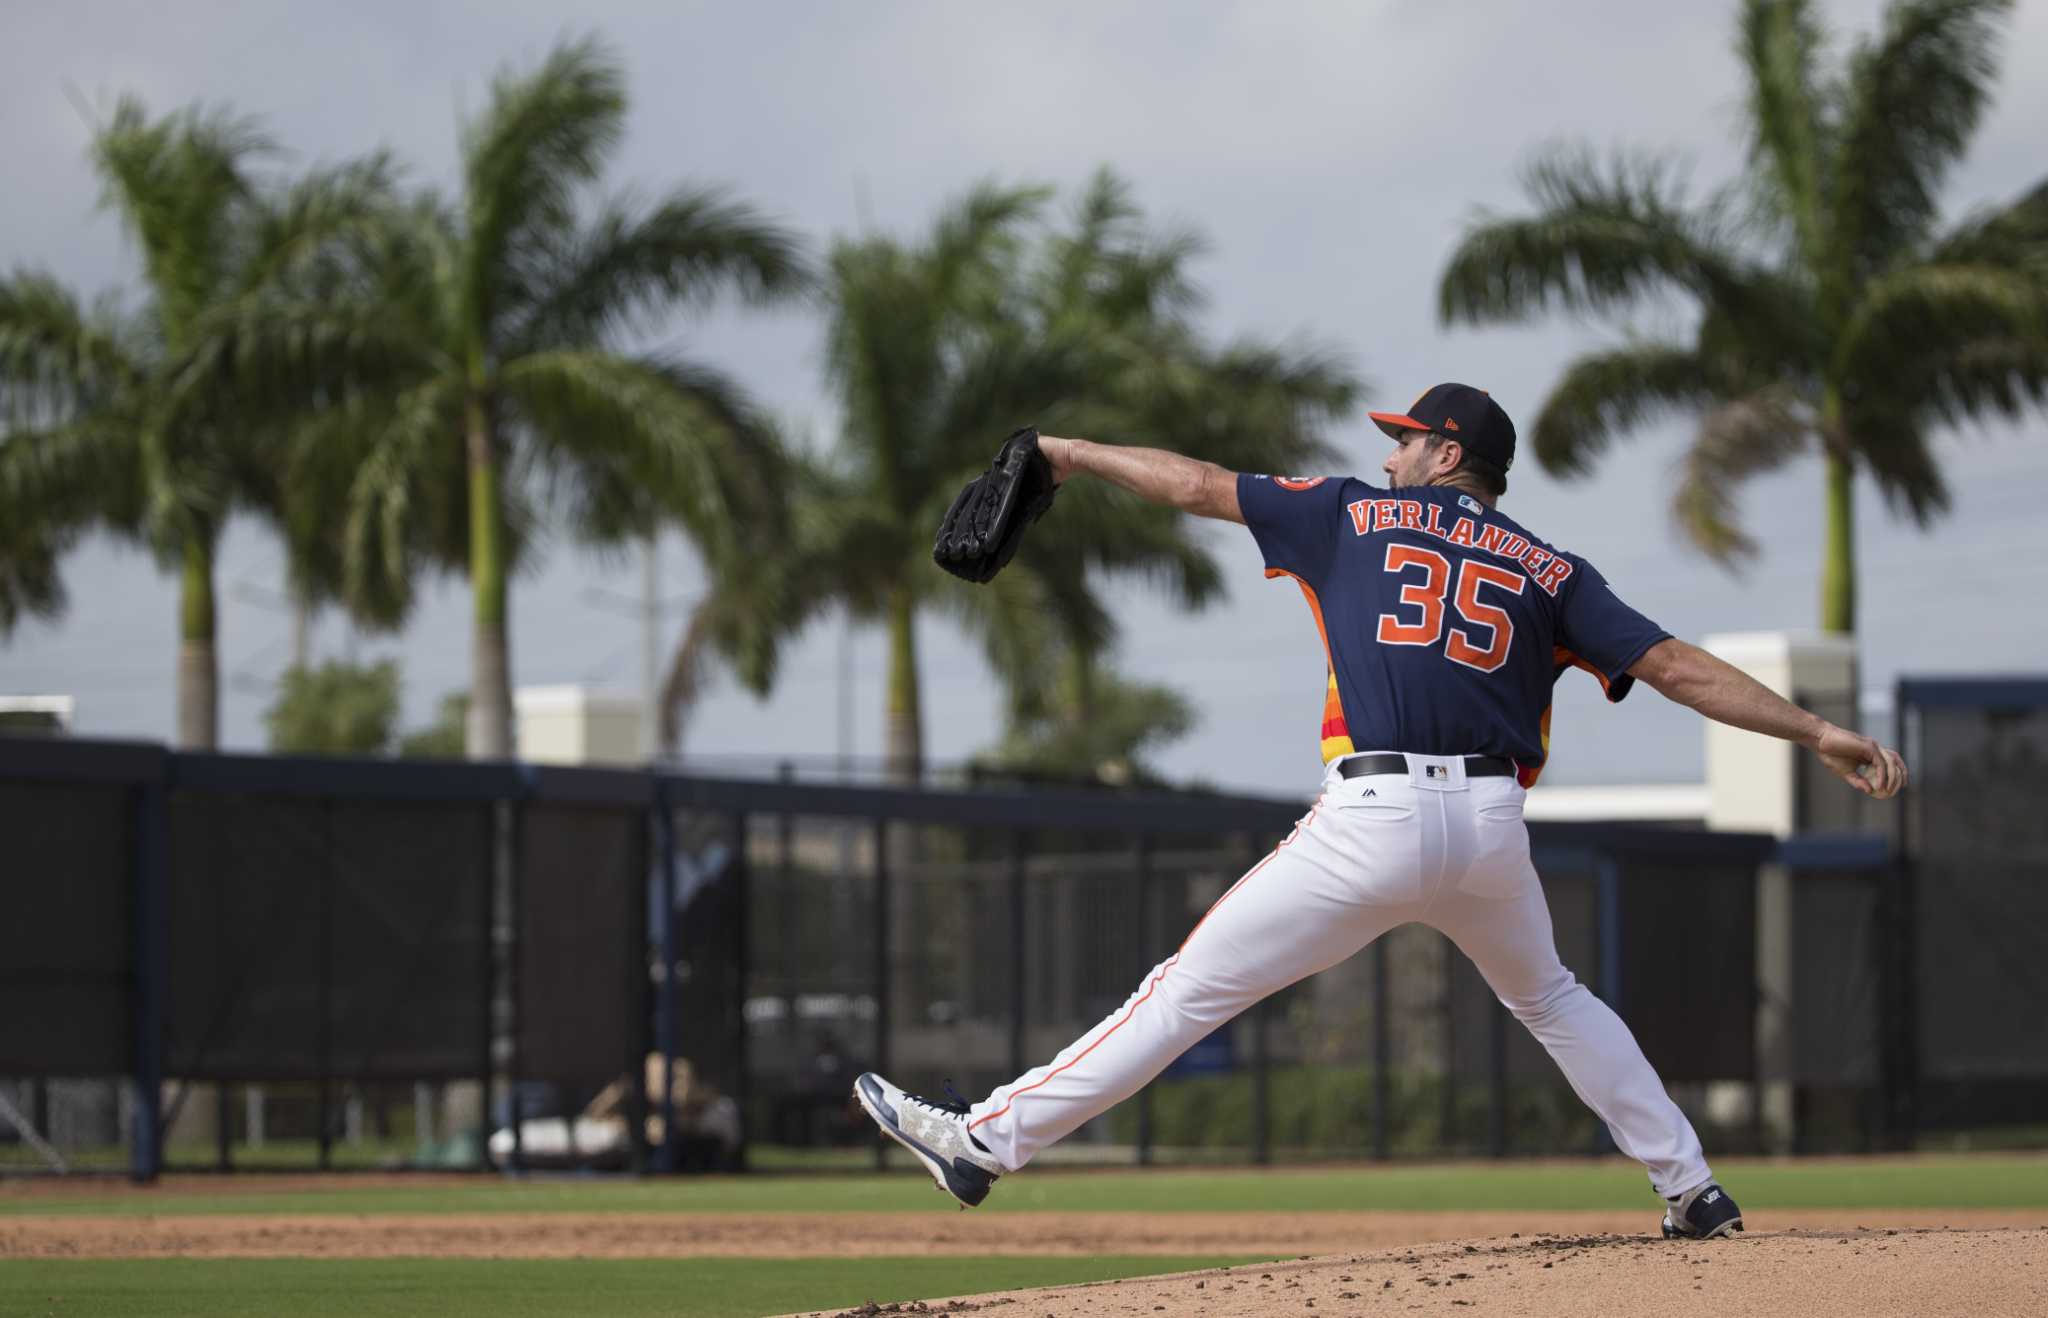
{"points": [[986, 523]]}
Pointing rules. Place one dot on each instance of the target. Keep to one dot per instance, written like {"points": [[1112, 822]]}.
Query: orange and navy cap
{"points": [[1460, 412]]}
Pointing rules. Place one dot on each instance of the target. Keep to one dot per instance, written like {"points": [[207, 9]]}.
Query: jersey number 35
{"points": [[1480, 620]]}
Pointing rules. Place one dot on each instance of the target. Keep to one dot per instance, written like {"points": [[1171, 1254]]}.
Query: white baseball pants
{"points": [[1375, 852]]}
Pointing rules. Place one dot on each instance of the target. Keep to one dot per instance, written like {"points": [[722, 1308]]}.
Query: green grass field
{"points": [[702, 1288], [509, 1288], [1982, 1181]]}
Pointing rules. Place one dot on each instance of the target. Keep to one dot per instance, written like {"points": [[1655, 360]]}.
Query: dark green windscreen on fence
{"points": [[66, 942], [314, 937], [1977, 831], [582, 991]]}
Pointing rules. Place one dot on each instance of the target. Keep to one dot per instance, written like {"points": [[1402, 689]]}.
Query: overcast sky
{"points": [[1329, 151]]}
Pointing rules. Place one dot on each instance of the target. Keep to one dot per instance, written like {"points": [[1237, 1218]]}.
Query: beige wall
{"points": [[572, 725]]}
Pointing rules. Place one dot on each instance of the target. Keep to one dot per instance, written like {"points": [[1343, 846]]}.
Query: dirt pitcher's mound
{"points": [[1859, 1274]]}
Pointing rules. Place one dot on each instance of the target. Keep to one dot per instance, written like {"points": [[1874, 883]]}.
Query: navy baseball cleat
{"points": [[936, 1133], [1701, 1214]]}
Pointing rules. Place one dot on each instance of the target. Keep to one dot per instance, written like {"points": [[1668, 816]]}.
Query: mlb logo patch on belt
{"points": [[1436, 771]]}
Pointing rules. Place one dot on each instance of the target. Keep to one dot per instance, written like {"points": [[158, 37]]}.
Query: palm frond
{"points": [[407, 501], [1606, 394], [1738, 439], [851, 544], [259, 361], [883, 350], [542, 135], [1093, 724], [1010, 616], [1909, 324], [52, 489], [1000, 379], [2014, 236], [1250, 405], [1984, 377], [1892, 446], [979, 236], [58, 358], [1101, 529], [629, 439], [31, 585], [631, 264], [1910, 102], [1113, 269], [178, 183], [769, 580], [1600, 240], [1779, 42], [55, 475], [308, 231]]}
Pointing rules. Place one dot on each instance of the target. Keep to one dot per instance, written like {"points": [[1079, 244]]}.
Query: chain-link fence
{"points": [[242, 961], [964, 952], [1976, 837], [245, 962]]}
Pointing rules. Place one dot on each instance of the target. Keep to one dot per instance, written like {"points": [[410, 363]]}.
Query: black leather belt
{"points": [[1476, 766]]}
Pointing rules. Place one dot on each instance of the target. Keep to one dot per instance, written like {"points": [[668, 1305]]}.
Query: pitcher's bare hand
{"points": [[1860, 762]]}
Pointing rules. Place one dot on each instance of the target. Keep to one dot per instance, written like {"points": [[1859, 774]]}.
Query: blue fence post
{"points": [[665, 941], [881, 970], [1019, 946], [789, 964], [1497, 1079], [1382, 1051], [511, 853], [487, 931], [1607, 917], [152, 911], [742, 969], [1141, 937]]}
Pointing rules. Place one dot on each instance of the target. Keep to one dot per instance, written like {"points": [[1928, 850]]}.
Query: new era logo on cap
{"points": [[1458, 410]]}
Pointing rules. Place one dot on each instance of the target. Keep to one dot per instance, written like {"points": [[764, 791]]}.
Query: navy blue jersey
{"points": [[1446, 624]]}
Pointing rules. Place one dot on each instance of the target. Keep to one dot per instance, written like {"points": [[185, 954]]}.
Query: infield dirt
{"points": [[858, 1235], [1996, 1273]]}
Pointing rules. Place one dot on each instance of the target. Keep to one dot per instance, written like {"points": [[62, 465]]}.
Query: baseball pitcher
{"points": [[1446, 624]]}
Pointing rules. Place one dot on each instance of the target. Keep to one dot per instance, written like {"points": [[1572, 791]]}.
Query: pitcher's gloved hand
{"points": [[981, 531]]}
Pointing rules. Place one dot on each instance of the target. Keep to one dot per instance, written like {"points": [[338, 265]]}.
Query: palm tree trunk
{"points": [[198, 660], [490, 663], [905, 719], [1838, 566], [685, 680], [1081, 683]]}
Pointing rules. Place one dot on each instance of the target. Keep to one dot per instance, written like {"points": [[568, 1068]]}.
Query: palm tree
{"points": [[1098, 735], [1835, 313], [148, 421], [489, 391], [938, 349]]}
